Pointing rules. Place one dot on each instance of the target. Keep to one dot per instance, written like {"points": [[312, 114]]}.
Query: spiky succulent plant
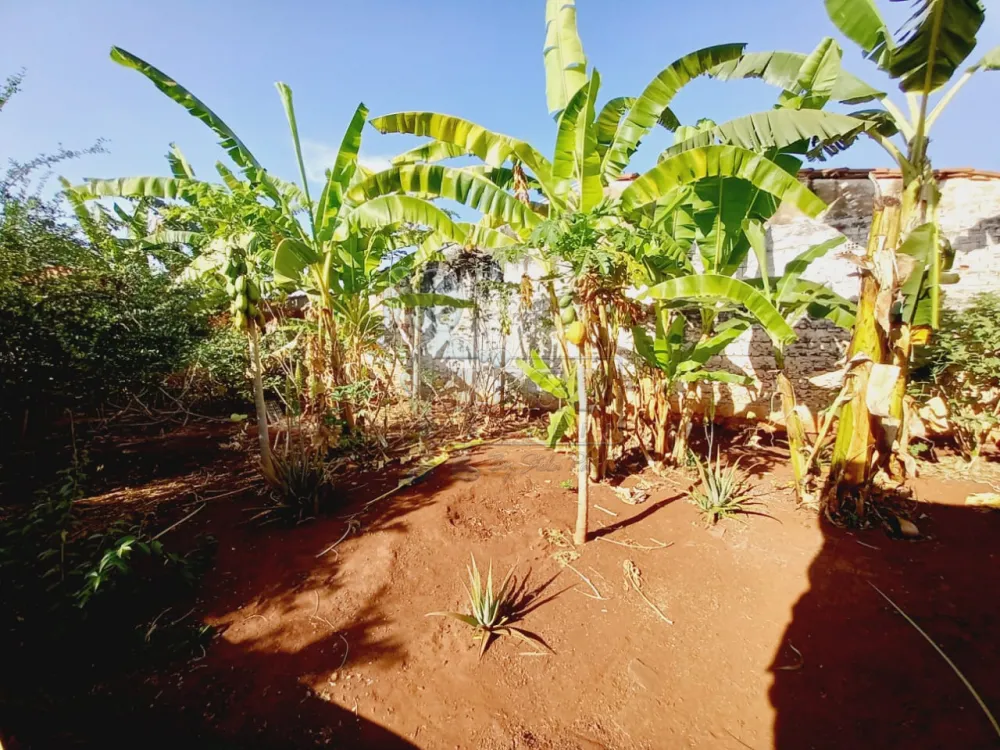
{"points": [[723, 491], [492, 612]]}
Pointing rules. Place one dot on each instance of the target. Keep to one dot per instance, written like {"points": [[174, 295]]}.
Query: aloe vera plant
{"points": [[723, 491], [492, 612]]}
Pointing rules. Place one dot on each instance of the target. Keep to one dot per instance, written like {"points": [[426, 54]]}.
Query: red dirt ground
{"points": [[778, 639]]}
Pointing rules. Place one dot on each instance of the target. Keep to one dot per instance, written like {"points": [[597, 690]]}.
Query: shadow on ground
{"points": [[865, 677]]}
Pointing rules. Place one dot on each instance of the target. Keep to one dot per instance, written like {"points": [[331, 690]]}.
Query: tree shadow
{"points": [[755, 460], [244, 690], [638, 517], [850, 672], [256, 681]]}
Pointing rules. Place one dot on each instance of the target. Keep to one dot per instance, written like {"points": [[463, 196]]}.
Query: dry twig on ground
{"points": [[633, 580]]}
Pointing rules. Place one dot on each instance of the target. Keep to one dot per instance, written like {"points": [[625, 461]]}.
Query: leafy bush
{"points": [[81, 605], [53, 564], [217, 369], [962, 366], [79, 327]]}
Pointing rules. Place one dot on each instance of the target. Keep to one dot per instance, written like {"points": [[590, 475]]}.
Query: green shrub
{"points": [[81, 328], [962, 366], [53, 563], [217, 369]]}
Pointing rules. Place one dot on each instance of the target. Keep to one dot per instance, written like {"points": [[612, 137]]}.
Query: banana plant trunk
{"points": [[796, 434], [858, 433], [339, 376], [904, 336], [678, 454], [797, 444], [503, 374], [902, 348], [266, 461]]}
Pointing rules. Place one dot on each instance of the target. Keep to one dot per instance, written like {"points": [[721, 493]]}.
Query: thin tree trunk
{"points": [[605, 393], [415, 382], [474, 370], [266, 462], [503, 372], [661, 420], [903, 337], [337, 365], [582, 469], [678, 455], [902, 348]]}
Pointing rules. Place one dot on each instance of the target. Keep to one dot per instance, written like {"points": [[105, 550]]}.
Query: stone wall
{"points": [[469, 348], [970, 219]]}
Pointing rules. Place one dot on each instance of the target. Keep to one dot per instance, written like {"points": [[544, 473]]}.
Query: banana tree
{"points": [[309, 235], [720, 220], [796, 298], [591, 150], [673, 359], [228, 246], [924, 57], [593, 146]]}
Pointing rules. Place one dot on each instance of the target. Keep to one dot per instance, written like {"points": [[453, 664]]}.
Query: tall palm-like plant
{"points": [[593, 147], [724, 216], [795, 298], [227, 233], [930, 49], [904, 255], [309, 236]]}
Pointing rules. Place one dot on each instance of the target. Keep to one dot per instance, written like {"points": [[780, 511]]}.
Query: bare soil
{"points": [[778, 638]]}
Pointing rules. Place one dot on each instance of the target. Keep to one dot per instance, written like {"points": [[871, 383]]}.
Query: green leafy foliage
{"points": [[689, 167], [80, 325], [684, 361], [216, 372], [561, 422], [654, 100], [778, 129], [715, 288], [565, 61], [783, 69], [229, 140], [935, 42], [962, 366], [539, 372], [563, 419]]}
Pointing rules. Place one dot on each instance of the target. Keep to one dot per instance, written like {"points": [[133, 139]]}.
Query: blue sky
{"points": [[481, 59]]}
